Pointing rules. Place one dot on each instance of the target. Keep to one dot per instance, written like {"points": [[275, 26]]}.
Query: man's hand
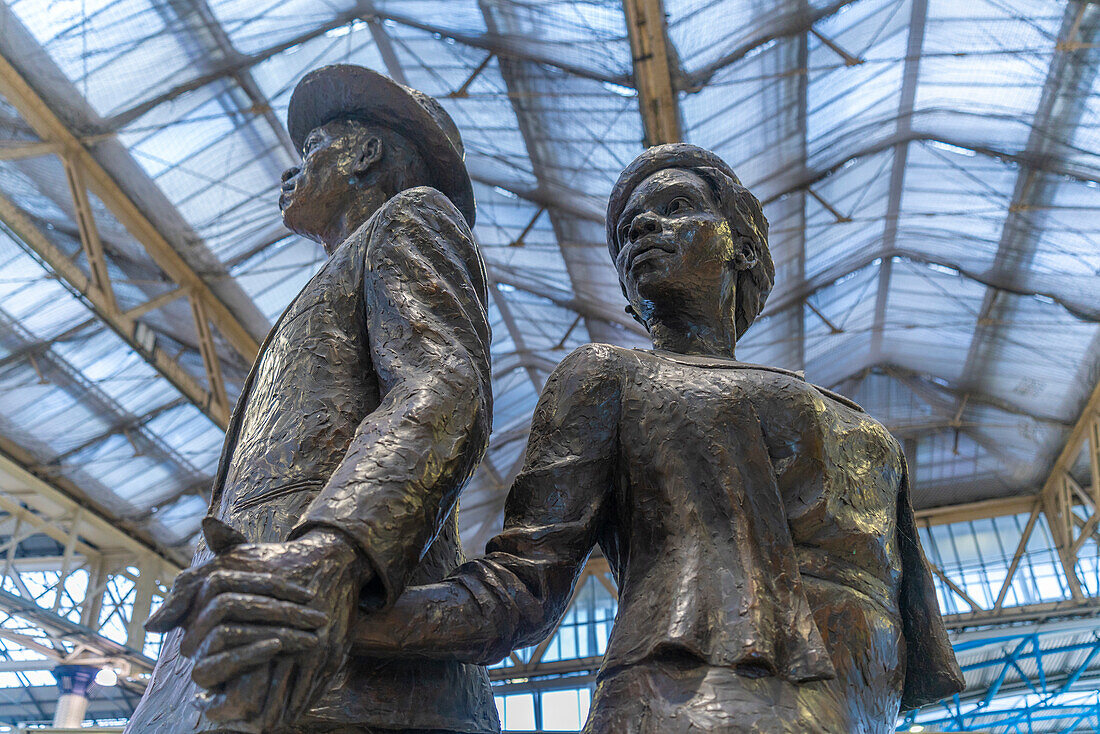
{"points": [[267, 624]]}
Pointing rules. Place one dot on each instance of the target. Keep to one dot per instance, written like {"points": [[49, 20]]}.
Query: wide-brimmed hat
{"points": [[346, 91]]}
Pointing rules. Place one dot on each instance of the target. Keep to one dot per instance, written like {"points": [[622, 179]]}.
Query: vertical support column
{"points": [[1058, 507], [92, 606], [143, 602], [74, 682]]}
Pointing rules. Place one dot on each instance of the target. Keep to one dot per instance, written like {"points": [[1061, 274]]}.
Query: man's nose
{"points": [[289, 175], [643, 224]]}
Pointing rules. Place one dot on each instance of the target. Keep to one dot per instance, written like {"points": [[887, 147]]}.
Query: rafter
{"points": [[138, 336], [503, 45], [940, 393], [867, 255], [910, 75], [588, 308], [515, 333], [783, 183], [50, 128], [1059, 110], [652, 56], [779, 25], [938, 384], [1061, 492], [520, 79], [208, 25], [236, 64], [230, 67]]}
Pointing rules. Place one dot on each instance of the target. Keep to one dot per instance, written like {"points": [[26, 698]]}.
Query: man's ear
{"points": [[745, 257], [369, 156]]}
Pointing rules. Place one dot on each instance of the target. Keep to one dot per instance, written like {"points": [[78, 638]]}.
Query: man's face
{"points": [[317, 191], [674, 241]]}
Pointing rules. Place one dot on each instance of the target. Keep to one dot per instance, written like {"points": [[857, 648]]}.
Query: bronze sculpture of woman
{"points": [[759, 527]]}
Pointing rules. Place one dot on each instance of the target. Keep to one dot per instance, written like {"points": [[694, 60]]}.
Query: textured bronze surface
{"points": [[760, 528], [365, 414]]}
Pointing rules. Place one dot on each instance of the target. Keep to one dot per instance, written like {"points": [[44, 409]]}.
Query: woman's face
{"points": [[675, 244]]}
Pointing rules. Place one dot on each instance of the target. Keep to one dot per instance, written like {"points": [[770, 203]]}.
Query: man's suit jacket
{"points": [[367, 410]]}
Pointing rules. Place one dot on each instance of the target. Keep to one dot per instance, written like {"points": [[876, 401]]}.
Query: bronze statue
{"points": [[365, 414], [759, 527]]}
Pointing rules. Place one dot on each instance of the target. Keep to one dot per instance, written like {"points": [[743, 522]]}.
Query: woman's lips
{"points": [[642, 250]]}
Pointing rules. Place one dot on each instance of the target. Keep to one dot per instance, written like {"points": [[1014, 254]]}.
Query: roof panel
{"points": [[988, 230]]}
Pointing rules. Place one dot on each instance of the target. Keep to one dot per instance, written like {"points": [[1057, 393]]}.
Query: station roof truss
{"points": [[928, 168]]}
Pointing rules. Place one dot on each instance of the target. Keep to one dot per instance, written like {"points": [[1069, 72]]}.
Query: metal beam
{"points": [[910, 74], [51, 129], [21, 151], [231, 67], [503, 45], [208, 24], [235, 65], [548, 194], [652, 55], [93, 545], [1061, 493], [514, 332], [89, 235], [138, 336], [1059, 110], [936, 383], [971, 511], [783, 183], [53, 367], [521, 79], [778, 25], [866, 255], [589, 309]]}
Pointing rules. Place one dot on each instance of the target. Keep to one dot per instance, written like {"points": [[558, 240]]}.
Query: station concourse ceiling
{"points": [[928, 167]]}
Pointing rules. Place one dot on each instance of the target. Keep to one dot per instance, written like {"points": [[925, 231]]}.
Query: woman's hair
{"points": [[736, 203]]}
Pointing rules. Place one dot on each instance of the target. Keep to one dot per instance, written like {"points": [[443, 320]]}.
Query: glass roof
{"points": [[928, 168]]}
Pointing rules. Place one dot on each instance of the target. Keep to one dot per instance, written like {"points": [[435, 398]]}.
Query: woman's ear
{"points": [[369, 156], [634, 315]]}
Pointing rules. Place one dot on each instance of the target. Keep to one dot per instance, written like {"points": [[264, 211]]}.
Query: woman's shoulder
{"points": [[588, 366], [594, 355]]}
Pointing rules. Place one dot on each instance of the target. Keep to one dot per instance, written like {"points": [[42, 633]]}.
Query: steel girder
{"points": [[75, 588]]}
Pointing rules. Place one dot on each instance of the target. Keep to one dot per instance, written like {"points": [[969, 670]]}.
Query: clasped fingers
{"points": [[252, 609]]}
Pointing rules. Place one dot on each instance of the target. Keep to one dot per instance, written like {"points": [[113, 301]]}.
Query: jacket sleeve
{"points": [[554, 514], [931, 671], [428, 336]]}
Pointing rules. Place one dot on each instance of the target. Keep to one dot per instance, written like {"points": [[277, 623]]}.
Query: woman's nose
{"points": [[643, 224]]}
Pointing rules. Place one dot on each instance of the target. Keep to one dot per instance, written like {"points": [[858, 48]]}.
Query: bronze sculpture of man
{"points": [[760, 529], [366, 412]]}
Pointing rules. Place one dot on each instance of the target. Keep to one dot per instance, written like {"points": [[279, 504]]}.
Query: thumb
{"points": [[220, 536], [176, 605]]}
